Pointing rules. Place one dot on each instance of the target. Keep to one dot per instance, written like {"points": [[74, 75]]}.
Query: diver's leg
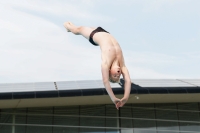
{"points": [[78, 30], [72, 28]]}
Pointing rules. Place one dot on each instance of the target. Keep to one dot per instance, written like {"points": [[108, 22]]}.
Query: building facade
{"points": [[154, 106]]}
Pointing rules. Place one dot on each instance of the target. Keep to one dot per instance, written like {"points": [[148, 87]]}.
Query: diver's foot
{"points": [[67, 25]]}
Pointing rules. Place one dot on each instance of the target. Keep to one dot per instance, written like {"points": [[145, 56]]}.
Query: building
{"points": [[154, 106]]}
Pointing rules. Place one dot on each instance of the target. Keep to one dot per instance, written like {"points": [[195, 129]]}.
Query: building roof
{"points": [[65, 93], [96, 87]]}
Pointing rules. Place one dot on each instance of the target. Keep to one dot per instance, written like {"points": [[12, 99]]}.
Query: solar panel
{"points": [[26, 87], [16, 87], [160, 83], [100, 83], [44, 86], [88, 84], [195, 82], [67, 85]]}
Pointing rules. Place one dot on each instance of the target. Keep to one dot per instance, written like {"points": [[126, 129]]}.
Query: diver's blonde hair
{"points": [[114, 81]]}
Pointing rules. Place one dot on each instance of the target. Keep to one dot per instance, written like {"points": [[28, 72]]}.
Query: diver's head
{"points": [[114, 74]]}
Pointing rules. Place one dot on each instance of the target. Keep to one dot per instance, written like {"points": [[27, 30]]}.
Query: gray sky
{"points": [[159, 38]]}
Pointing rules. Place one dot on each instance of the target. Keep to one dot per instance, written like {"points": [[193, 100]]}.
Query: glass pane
{"points": [[126, 112], [93, 110], [144, 130], [95, 121], [111, 111], [6, 116], [143, 111], [65, 130], [145, 118], [171, 106], [177, 131], [188, 106], [72, 120], [112, 122], [163, 125], [66, 120], [144, 124], [20, 129], [20, 117], [189, 126], [112, 131], [167, 112], [34, 129], [46, 120], [189, 112], [126, 130], [188, 116], [91, 130], [41, 116], [5, 129]]}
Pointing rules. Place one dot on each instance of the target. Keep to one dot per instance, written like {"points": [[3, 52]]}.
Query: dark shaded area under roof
{"points": [[96, 88]]}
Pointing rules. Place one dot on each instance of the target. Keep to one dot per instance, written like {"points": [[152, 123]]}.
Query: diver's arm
{"points": [[105, 77], [127, 81], [127, 84]]}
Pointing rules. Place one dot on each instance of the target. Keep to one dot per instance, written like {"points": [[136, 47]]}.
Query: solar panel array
{"points": [[93, 84]]}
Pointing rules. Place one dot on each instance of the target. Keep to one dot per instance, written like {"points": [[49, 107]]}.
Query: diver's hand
{"points": [[117, 102], [122, 102]]}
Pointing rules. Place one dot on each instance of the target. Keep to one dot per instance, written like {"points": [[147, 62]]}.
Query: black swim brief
{"points": [[99, 29]]}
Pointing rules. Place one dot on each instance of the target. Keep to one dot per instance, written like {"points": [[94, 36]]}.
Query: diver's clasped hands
{"points": [[119, 102]]}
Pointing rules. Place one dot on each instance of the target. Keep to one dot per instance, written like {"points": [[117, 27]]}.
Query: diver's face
{"points": [[115, 73]]}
